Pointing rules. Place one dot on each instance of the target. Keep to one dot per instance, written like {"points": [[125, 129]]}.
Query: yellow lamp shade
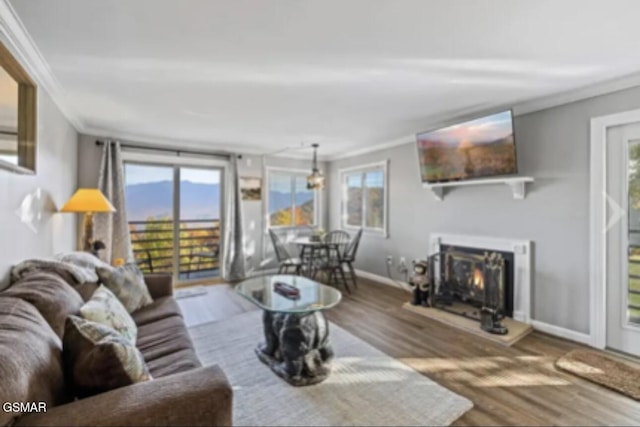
{"points": [[88, 200]]}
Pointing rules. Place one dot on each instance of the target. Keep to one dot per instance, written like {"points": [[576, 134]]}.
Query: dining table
{"points": [[312, 251]]}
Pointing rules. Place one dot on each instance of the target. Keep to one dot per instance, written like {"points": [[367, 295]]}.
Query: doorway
{"points": [[175, 219], [622, 238]]}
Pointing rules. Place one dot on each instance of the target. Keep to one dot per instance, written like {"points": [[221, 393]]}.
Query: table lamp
{"points": [[88, 201]]}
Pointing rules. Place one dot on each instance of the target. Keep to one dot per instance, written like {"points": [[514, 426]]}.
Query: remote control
{"points": [[286, 290]]}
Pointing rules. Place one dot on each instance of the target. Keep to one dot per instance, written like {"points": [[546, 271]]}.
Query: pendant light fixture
{"points": [[315, 181]]}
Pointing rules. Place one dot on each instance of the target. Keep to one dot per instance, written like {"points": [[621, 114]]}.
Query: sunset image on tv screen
{"points": [[477, 148]]}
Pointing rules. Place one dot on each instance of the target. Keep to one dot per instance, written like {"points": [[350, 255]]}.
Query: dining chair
{"points": [[338, 237], [336, 242], [349, 256], [282, 255]]}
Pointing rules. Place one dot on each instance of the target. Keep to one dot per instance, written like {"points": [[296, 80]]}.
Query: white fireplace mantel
{"points": [[522, 269]]}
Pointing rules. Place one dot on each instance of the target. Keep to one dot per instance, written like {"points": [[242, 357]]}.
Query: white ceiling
{"points": [[264, 75]]}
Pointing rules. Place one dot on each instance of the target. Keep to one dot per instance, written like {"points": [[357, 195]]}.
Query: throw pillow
{"points": [[99, 359], [82, 259], [54, 298], [127, 283], [105, 308]]}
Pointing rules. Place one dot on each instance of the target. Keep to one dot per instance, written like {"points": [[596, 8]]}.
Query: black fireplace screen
{"points": [[472, 278]]}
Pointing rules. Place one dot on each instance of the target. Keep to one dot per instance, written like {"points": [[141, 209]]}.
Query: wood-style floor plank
{"points": [[516, 385]]}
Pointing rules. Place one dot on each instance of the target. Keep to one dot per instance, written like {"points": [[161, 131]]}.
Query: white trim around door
{"points": [[598, 204]]}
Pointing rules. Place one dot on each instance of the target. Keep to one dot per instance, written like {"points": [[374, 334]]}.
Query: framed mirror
{"points": [[18, 109]]}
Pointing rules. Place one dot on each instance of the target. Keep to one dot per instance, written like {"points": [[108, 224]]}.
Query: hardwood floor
{"points": [[515, 385]]}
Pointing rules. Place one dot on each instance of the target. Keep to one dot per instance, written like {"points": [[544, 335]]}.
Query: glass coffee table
{"points": [[296, 331]]}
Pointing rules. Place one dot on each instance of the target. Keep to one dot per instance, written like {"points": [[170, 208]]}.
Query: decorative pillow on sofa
{"points": [[127, 283], [51, 295], [105, 308], [99, 359], [82, 259]]}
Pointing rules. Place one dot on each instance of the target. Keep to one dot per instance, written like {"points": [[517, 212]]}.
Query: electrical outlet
{"points": [[403, 268], [390, 259]]}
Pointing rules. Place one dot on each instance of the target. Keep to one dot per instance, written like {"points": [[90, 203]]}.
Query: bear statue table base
{"points": [[297, 346]]}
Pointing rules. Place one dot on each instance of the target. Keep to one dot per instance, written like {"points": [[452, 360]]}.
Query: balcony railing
{"points": [[199, 246]]}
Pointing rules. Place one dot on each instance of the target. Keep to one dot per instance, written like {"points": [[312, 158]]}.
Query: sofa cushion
{"points": [[127, 283], [51, 295], [159, 309], [99, 359], [160, 342], [30, 357], [163, 336], [174, 363], [106, 309]]}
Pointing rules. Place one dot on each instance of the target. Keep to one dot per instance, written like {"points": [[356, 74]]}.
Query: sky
{"points": [[282, 182], [372, 179], [140, 174], [487, 128]]}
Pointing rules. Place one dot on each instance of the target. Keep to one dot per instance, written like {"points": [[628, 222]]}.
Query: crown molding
{"points": [[375, 147], [18, 40], [567, 97], [177, 144], [518, 109]]}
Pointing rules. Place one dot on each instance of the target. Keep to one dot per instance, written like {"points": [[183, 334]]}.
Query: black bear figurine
{"points": [[420, 283]]}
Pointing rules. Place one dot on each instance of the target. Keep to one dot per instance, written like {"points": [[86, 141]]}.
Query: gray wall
{"points": [[553, 147], [56, 175], [251, 166]]}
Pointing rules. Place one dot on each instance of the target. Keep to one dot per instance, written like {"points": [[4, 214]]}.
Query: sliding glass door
{"points": [[199, 213], [174, 215]]}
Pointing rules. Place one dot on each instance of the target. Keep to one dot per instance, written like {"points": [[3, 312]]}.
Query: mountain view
{"points": [[199, 201], [155, 200]]}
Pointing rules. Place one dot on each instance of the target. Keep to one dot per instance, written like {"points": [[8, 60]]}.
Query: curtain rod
{"points": [[173, 150]]}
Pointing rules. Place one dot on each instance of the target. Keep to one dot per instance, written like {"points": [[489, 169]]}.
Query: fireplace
{"points": [[513, 275], [470, 282], [467, 282]]}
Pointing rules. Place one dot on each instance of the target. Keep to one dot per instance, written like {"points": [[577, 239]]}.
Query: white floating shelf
{"points": [[517, 184]]}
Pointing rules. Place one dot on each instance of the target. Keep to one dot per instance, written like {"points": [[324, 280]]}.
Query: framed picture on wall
{"points": [[251, 188]]}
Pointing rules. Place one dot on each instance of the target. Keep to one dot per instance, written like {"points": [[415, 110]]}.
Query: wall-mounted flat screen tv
{"points": [[478, 148]]}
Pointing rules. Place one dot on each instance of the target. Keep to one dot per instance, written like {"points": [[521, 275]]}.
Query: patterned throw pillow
{"points": [[99, 359], [127, 283], [104, 308]]}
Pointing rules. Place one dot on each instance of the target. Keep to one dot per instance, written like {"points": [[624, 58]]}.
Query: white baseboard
{"points": [[383, 279], [558, 331]]}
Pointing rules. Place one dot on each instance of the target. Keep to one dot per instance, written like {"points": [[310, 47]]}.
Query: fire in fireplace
{"points": [[465, 275]]}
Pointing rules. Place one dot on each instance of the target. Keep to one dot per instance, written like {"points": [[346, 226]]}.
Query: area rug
{"points": [[366, 387], [601, 369], [190, 292]]}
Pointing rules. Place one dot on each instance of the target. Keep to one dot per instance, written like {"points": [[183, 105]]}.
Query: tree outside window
{"points": [[364, 198], [291, 204]]}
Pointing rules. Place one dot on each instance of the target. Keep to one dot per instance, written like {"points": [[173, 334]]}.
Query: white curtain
{"points": [[113, 228], [233, 259]]}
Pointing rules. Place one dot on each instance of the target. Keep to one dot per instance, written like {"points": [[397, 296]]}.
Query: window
{"points": [[364, 197], [290, 203]]}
